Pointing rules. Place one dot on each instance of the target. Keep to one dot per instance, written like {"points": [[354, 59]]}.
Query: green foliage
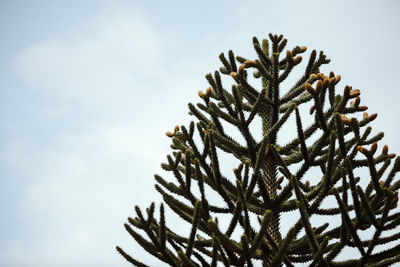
{"points": [[270, 178]]}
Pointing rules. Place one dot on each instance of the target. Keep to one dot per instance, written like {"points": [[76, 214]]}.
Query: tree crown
{"points": [[274, 178]]}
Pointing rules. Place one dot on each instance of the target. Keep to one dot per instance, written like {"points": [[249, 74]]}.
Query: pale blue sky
{"points": [[88, 89]]}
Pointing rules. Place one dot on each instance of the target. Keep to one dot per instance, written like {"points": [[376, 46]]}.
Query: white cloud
{"points": [[84, 191], [100, 69], [83, 185]]}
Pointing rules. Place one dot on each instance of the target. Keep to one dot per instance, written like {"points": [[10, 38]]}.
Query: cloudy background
{"points": [[88, 89]]}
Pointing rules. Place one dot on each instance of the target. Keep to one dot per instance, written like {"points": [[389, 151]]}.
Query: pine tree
{"points": [[273, 178]]}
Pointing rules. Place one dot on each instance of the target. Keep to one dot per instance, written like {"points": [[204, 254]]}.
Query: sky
{"points": [[89, 88]]}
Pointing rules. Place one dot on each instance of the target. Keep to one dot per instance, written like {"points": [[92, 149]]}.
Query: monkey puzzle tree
{"points": [[274, 178]]}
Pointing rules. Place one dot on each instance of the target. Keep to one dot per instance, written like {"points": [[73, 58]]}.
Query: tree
{"points": [[274, 178]]}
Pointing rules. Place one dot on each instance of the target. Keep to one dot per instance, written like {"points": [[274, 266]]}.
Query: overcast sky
{"points": [[88, 89]]}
